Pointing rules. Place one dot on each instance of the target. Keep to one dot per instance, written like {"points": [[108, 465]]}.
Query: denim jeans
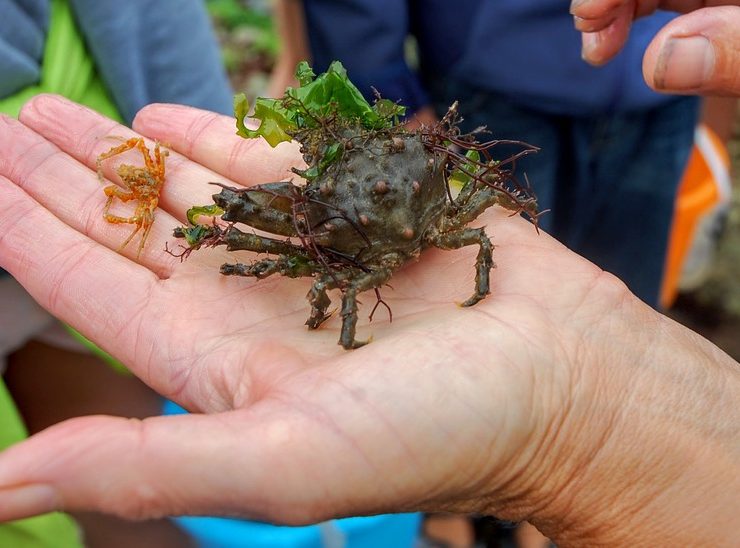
{"points": [[609, 181]]}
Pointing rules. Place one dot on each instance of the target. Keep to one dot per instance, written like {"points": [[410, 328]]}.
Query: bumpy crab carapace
{"points": [[376, 195]]}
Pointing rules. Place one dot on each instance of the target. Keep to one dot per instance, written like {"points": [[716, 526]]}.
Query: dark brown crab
{"points": [[376, 195], [374, 210]]}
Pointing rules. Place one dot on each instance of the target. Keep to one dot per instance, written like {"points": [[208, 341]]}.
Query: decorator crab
{"points": [[376, 195], [142, 184]]}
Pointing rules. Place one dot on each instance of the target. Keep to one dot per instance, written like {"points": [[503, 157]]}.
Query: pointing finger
{"points": [[603, 43]]}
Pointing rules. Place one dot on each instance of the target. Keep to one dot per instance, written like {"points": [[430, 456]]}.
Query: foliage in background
{"points": [[249, 41]]}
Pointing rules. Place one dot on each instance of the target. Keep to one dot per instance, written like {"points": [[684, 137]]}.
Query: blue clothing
{"points": [[392, 530], [396, 530], [526, 50], [145, 52], [23, 25], [149, 52]]}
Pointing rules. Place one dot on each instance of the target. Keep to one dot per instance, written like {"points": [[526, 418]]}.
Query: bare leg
{"points": [[483, 263]]}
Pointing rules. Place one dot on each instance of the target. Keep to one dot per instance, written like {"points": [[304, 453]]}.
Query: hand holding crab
{"points": [[532, 393]]}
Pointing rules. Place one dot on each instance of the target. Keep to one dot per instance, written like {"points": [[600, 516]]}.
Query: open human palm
{"points": [[286, 425]]}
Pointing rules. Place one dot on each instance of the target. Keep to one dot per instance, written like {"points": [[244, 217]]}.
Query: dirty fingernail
{"points": [[684, 63], [27, 500]]}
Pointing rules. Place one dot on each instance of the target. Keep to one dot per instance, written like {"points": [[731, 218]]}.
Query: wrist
{"points": [[644, 449]]}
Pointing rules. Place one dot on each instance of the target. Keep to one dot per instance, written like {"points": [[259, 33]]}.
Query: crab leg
{"points": [[290, 266], [112, 191], [266, 207], [319, 301], [237, 240], [483, 263], [474, 203], [364, 282]]}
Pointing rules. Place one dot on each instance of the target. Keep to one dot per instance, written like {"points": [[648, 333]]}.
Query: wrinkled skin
{"points": [[358, 223], [561, 399]]}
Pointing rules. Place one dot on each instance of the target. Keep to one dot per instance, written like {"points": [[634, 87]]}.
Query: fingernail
{"points": [[590, 41], [28, 500], [575, 4], [684, 63]]}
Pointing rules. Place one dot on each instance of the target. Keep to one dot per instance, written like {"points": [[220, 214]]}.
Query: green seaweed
{"points": [[208, 210], [461, 176], [317, 101]]}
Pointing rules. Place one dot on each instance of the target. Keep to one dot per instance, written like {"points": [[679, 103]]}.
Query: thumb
{"points": [[232, 463], [697, 53]]}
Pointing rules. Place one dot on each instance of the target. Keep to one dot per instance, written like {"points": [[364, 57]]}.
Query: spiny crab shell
{"points": [[376, 195], [376, 208]]}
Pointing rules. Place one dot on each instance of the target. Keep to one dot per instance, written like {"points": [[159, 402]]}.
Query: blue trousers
{"points": [[609, 181]]}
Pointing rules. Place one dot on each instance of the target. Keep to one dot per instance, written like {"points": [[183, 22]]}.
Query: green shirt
{"points": [[67, 70]]}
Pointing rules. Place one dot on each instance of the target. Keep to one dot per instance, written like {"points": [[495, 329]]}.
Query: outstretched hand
{"points": [[484, 409], [698, 52]]}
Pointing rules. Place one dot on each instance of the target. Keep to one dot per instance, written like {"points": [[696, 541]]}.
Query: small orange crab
{"points": [[142, 184]]}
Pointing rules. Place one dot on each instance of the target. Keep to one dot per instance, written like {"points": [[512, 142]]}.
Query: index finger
{"points": [[601, 46], [210, 139], [84, 135]]}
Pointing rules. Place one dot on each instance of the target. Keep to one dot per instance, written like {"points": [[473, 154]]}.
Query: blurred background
{"points": [[250, 46]]}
